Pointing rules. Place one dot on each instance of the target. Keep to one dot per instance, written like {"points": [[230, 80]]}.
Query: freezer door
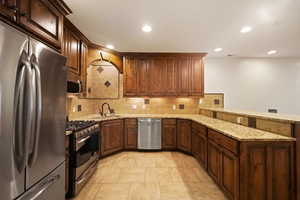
{"points": [[46, 148], [49, 188], [13, 111]]}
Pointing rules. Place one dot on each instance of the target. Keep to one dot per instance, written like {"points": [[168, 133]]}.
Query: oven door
{"points": [[86, 148]]}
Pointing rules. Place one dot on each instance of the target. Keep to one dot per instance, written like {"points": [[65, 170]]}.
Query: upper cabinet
{"points": [[8, 8], [71, 49], [130, 77], [164, 75], [42, 18]]}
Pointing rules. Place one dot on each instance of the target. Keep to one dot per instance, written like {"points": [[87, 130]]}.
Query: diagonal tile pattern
{"points": [[150, 176]]}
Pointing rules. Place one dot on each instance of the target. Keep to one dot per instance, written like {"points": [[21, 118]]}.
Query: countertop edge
{"points": [[282, 138]]}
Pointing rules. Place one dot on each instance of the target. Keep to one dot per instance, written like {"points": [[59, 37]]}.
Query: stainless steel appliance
{"points": [[84, 148], [32, 118], [149, 134], [74, 87]]}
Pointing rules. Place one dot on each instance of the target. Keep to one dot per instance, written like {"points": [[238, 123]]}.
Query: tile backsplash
{"points": [[138, 106]]}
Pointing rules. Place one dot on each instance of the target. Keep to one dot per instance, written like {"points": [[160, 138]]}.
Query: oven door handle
{"points": [[83, 140]]}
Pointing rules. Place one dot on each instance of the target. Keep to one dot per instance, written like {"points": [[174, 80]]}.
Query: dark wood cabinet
{"points": [[156, 79], [84, 65], [229, 181], [214, 161], [197, 77], [131, 134], [184, 76], [142, 76], [170, 73], [184, 139], [169, 136], [71, 49], [130, 77], [267, 171], [43, 19], [199, 143], [160, 75], [112, 137], [8, 8]]}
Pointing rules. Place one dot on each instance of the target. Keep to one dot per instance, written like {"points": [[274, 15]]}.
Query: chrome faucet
{"points": [[102, 110]]}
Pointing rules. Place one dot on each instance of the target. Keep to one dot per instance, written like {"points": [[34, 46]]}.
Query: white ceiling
{"points": [[192, 25]]}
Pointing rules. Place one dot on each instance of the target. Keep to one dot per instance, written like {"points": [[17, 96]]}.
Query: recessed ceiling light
{"points": [[218, 49], [110, 46], [272, 52], [147, 28], [246, 29]]}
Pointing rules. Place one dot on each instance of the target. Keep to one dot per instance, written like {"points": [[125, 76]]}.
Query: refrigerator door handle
{"points": [[21, 126], [37, 98]]}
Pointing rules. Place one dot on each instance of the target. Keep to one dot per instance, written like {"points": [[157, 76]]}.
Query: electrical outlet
{"points": [[74, 109], [239, 120], [134, 107]]}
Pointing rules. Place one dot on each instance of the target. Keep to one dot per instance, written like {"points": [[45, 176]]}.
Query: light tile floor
{"points": [[150, 176]]}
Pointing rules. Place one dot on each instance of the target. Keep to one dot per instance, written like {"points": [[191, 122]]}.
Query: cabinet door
{"points": [[116, 138], [142, 76], [230, 174], [130, 77], [197, 76], [169, 134], [199, 147], [83, 61], [184, 139], [170, 78], [156, 68], [214, 161], [184, 78], [42, 18], [71, 49], [131, 132], [8, 8], [111, 137]]}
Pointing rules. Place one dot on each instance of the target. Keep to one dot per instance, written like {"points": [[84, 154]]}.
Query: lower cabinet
{"points": [[230, 174], [112, 136], [184, 133], [131, 133], [223, 167], [199, 143], [267, 170], [169, 135], [214, 161]]}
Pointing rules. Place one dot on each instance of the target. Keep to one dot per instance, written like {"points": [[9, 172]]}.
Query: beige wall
{"points": [[157, 105]]}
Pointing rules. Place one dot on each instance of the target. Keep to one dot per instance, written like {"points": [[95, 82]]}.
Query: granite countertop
{"points": [[235, 131], [269, 116]]}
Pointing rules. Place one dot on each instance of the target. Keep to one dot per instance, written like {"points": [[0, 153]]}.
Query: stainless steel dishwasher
{"points": [[149, 133]]}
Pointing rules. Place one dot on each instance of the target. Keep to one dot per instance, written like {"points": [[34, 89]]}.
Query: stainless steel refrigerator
{"points": [[32, 118]]}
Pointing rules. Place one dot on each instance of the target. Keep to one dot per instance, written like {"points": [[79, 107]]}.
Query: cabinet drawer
{"points": [[226, 142], [169, 121], [199, 128], [130, 121], [117, 121]]}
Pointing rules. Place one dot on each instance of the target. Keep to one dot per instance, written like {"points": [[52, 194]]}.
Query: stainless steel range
{"points": [[84, 148]]}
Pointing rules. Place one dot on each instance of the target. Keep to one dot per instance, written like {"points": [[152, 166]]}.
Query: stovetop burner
{"points": [[78, 125]]}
